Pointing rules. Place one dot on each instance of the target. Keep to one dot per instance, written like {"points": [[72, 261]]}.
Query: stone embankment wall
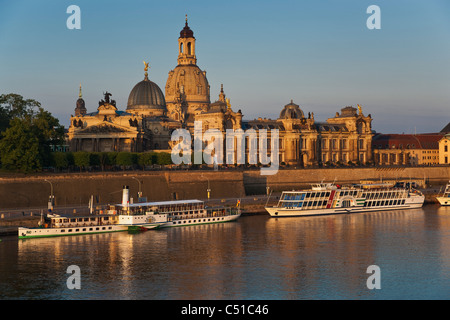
{"points": [[302, 178], [76, 189]]}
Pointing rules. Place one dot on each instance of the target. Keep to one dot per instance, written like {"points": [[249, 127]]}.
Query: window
{"points": [[361, 144], [333, 144]]}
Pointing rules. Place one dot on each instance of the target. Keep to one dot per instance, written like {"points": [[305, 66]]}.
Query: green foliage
{"points": [[19, 148], [124, 159], [81, 159], [94, 159], [70, 159], [103, 160], [60, 160], [163, 158], [16, 107], [147, 158], [112, 157], [27, 134]]}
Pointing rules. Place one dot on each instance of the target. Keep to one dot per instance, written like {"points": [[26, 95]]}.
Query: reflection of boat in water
{"points": [[133, 217], [444, 200], [327, 198]]}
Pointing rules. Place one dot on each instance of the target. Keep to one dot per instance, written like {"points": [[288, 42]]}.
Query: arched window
{"points": [[189, 48], [181, 47]]}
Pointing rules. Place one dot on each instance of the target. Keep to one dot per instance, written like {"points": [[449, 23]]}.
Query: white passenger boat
{"points": [[131, 217], [444, 200], [327, 198], [187, 212], [113, 221]]}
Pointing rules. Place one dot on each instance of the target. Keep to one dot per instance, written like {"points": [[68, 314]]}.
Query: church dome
{"points": [[146, 95], [190, 81], [80, 104], [291, 111], [186, 32]]}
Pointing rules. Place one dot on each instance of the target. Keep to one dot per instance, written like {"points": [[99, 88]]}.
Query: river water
{"points": [[256, 257]]}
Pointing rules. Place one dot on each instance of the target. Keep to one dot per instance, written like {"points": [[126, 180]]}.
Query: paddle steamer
{"points": [[133, 217], [54, 225]]}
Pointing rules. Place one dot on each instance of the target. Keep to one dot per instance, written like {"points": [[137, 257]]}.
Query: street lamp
{"points": [[208, 190], [51, 200], [140, 192]]}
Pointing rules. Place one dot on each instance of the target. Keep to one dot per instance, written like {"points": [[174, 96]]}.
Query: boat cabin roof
{"points": [[161, 203]]}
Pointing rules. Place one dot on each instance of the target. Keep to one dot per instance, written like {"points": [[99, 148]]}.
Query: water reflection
{"points": [[256, 257]]}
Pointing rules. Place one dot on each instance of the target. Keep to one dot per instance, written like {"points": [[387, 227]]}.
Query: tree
{"points": [[81, 159], [124, 159], [60, 160], [27, 127], [18, 107], [19, 147], [49, 132], [103, 159], [146, 159], [164, 158]]}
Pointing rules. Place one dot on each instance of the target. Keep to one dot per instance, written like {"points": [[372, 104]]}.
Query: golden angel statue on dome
{"points": [[146, 66]]}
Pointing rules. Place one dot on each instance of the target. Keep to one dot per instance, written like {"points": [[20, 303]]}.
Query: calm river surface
{"points": [[256, 257]]}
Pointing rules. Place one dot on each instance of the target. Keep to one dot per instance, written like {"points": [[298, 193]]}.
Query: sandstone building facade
{"points": [[151, 117]]}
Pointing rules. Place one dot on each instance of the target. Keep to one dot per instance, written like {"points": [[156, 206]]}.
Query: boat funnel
{"points": [[125, 196]]}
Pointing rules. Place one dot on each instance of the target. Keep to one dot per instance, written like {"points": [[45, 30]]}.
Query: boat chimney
{"points": [[125, 196]]}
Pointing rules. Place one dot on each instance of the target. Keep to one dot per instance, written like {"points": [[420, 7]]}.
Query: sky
{"points": [[320, 54]]}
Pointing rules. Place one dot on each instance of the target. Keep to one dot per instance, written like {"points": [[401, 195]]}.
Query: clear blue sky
{"points": [[318, 53]]}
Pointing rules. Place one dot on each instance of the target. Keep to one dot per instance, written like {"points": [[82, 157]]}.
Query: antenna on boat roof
{"points": [[268, 195]]}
